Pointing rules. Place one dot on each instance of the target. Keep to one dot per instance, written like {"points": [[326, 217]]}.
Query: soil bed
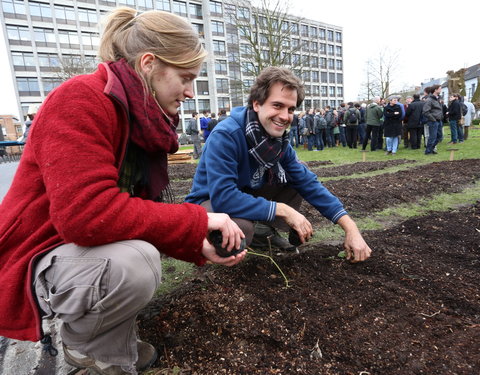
{"points": [[413, 308]]}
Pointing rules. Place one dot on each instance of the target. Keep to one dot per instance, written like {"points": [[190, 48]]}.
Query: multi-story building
{"points": [[48, 40]]}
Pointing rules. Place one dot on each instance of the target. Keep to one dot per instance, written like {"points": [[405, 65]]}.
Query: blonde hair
{"points": [[169, 37]]}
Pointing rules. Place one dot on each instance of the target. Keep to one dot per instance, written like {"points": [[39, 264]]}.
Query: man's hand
{"points": [[355, 246], [296, 221]]}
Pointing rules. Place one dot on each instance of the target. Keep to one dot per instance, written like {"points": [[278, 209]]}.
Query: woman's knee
{"points": [[137, 270]]}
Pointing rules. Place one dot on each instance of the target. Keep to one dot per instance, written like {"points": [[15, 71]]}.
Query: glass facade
{"points": [[42, 36]]}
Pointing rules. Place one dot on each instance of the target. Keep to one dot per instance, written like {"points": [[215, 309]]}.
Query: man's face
{"points": [[276, 114]]}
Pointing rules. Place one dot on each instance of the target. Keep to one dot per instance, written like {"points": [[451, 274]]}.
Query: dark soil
{"points": [[412, 308]]}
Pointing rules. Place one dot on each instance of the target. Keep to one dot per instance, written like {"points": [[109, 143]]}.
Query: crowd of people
{"points": [[385, 123]]}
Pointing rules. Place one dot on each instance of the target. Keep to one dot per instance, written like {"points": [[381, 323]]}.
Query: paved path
{"points": [[25, 357]]}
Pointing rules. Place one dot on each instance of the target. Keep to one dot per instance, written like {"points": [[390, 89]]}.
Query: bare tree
{"points": [[381, 73], [265, 34], [72, 65]]}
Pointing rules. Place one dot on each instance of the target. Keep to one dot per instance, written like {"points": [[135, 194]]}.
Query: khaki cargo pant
{"points": [[97, 293]]}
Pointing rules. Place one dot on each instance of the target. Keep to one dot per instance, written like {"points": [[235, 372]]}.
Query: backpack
{"points": [[329, 118], [352, 117], [212, 123], [464, 109], [188, 130]]}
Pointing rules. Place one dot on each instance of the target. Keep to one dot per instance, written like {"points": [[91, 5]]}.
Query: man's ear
{"points": [[147, 62], [256, 106]]}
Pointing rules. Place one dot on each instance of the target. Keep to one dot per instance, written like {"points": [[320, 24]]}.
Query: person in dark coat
{"points": [[414, 125], [454, 116], [392, 125]]}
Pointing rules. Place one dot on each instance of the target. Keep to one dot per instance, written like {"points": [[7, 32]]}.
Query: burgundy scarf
{"points": [[150, 128]]}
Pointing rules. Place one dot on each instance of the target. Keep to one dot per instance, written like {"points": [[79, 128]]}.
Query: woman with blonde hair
{"points": [[87, 214]]}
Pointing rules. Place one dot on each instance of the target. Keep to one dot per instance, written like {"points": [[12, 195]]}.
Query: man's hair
{"points": [[260, 90], [416, 96], [213, 115], [433, 88], [223, 112], [194, 114]]}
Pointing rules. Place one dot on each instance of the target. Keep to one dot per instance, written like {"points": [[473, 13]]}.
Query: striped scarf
{"points": [[266, 150]]}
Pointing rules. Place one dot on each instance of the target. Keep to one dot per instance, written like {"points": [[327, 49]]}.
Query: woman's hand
{"points": [[232, 237]]}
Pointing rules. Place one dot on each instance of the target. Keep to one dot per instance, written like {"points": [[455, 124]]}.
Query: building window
{"points": [[40, 12], [90, 41], [23, 61], [180, 8], [199, 28], [323, 63], [14, 9], [330, 35], [294, 29], [304, 29], [332, 103], [145, 4], [203, 105], [48, 62], [295, 43], [216, 8], [44, 37], [324, 90], [331, 63], [246, 50], [314, 47], [338, 37], [19, 35], [217, 28], [69, 39], [339, 64], [221, 67], [316, 90], [248, 68], [164, 5], [50, 83], [338, 50], [306, 76], [243, 13], [340, 91], [223, 103], [65, 15], [28, 86], [314, 61], [315, 76], [222, 85], [331, 90], [305, 45], [219, 47], [339, 78], [195, 11], [202, 88], [189, 105], [324, 102], [331, 77], [324, 77], [330, 50], [87, 17], [321, 33], [323, 48]]}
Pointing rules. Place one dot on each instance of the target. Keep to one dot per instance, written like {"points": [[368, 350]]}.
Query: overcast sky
{"points": [[430, 37]]}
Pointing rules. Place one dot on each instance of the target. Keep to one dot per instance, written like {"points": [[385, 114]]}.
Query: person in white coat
{"points": [[468, 118]]}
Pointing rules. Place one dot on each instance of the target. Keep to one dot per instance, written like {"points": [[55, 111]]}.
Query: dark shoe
{"points": [[267, 238], [147, 355]]}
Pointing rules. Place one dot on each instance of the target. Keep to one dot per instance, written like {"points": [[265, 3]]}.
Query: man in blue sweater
{"points": [[249, 170]]}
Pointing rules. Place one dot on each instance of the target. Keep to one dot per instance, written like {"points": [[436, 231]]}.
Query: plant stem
{"points": [[275, 263]]}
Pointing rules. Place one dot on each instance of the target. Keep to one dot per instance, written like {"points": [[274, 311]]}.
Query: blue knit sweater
{"points": [[226, 169]]}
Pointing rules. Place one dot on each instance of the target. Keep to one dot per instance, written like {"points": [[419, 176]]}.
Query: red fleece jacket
{"points": [[65, 191]]}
